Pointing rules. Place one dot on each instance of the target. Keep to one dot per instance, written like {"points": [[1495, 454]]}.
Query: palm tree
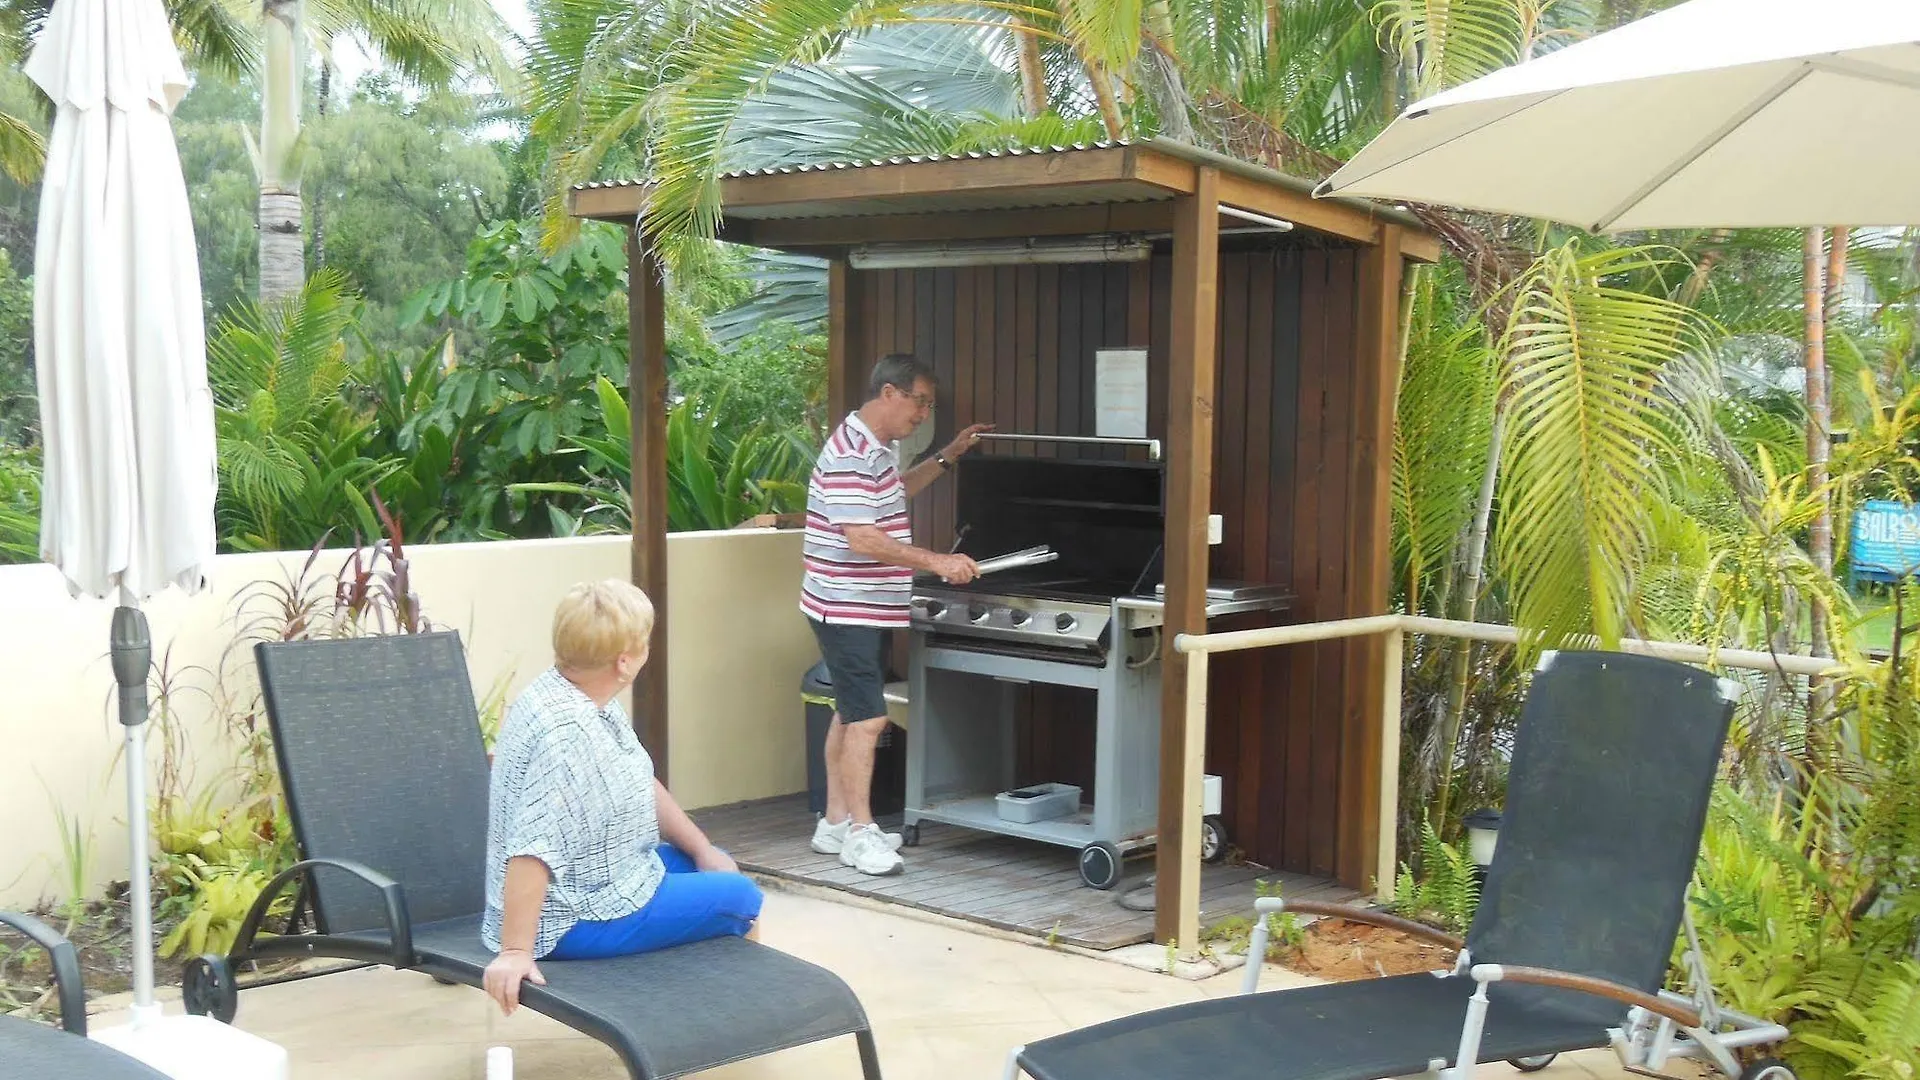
{"points": [[211, 35], [431, 44]]}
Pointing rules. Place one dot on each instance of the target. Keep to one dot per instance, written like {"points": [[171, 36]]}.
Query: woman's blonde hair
{"points": [[597, 621]]}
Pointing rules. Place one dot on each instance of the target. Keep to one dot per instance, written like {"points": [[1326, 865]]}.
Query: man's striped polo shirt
{"points": [[856, 481]]}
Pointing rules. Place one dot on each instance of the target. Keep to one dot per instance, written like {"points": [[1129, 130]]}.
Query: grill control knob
{"points": [[934, 609], [1064, 622], [979, 612], [1019, 617]]}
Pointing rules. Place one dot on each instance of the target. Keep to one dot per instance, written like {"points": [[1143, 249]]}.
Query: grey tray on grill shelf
{"points": [[1223, 598]]}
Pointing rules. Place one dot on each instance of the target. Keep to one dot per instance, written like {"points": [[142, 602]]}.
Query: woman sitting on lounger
{"points": [[587, 854]]}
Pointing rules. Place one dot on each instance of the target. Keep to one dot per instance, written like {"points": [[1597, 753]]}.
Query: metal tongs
{"points": [[1033, 556]]}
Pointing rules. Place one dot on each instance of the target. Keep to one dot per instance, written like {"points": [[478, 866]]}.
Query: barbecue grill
{"points": [[1089, 616]]}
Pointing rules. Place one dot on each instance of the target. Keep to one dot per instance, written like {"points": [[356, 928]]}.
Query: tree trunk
{"points": [[1820, 536], [282, 262], [1109, 105], [320, 205], [1456, 709], [1837, 253], [1697, 281], [283, 267], [1033, 74]]}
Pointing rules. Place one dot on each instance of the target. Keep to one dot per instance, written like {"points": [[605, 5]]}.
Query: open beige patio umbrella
{"points": [[126, 415], [1722, 113]]}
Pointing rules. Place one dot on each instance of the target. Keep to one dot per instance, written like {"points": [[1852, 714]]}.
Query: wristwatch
{"points": [[941, 460]]}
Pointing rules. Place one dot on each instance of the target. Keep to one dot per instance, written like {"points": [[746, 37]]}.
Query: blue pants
{"points": [[689, 905]]}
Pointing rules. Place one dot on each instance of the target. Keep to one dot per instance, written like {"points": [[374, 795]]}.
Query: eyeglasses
{"points": [[925, 401]]}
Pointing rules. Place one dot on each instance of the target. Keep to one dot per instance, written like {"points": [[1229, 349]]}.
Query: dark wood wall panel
{"points": [[1014, 346], [1336, 443], [1303, 662]]}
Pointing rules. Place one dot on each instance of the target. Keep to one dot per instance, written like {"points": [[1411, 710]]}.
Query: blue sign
{"points": [[1886, 541]]}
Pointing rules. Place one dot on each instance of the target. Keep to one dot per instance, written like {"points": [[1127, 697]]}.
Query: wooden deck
{"points": [[1018, 885]]}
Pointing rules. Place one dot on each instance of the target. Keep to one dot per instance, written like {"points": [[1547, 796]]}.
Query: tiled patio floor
{"points": [[947, 1003]]}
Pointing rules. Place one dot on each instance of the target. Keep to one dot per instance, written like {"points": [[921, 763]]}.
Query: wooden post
{"points": [[647, 399], [1386, 852], [1192, 371], [1376, 378]]}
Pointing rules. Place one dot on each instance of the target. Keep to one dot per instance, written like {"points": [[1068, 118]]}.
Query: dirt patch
{"points": [[1342, 951], [102, 935]]}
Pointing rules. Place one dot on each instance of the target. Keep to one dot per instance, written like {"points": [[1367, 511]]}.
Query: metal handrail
{"points": [[1152, 445], [1181, 889], [1298, 633]]}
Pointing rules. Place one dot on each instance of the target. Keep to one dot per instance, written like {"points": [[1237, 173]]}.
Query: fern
{"points": [[1867, 1021], [1446, 892]]}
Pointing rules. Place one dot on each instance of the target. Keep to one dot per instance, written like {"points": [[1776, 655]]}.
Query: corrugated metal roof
{"points": [[1159, 144], [904, 159]]}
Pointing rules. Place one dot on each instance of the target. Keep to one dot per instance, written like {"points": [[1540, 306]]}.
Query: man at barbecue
{"points": [[858, 584]]}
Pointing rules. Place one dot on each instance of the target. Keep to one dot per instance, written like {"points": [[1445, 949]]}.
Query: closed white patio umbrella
{"points": [[1723, 113], [126, 415], [118, 335]]}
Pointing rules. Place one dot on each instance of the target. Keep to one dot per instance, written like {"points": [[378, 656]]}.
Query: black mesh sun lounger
{"points": [[379, 747], [33, 1049], [1613, 766]]}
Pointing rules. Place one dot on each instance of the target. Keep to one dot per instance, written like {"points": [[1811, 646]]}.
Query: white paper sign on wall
{"points": [[1120, 393]]}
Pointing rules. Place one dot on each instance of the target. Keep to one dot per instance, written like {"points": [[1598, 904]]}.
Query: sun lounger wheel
{"points": [[1532, 1064], [1768, 1069], [207, 988]]}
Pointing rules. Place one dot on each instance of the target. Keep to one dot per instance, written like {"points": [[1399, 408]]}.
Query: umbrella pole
{"points": [[132, 650]]}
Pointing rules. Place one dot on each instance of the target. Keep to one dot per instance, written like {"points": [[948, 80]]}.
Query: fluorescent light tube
{"points": [[1258, 219]]}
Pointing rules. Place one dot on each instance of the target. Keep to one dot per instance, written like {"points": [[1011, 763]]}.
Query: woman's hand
{"points": [[505, 974], [715, 859]]}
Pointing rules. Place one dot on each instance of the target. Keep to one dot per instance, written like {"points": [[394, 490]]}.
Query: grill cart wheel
{"points": [[1768, 1069], [207, 988], [910, 835], [1100, 866], [1213, 839], [1532, 1064]]}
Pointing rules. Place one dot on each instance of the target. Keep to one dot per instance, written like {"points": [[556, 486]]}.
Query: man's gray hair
{"points": [[901, 370]]}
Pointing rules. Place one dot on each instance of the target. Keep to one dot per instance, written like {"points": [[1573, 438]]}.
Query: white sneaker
{"points": [[829, 839], [866, 850]]}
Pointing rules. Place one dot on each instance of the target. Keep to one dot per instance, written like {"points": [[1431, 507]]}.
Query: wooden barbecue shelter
{"points": [[1272, 324]]}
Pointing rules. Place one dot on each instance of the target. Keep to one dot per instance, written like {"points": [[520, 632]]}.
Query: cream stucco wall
{"points": [[737, 649]]}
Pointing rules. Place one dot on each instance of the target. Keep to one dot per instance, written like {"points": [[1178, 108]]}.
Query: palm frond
{"points": [[1449, 42], [432, 43], [1441, 434], [741, 46], [1587, 425], [939, 67], [23, 151], [216, 36], [824, 112], [1106, 33], [789, 289], [1051, 129]]}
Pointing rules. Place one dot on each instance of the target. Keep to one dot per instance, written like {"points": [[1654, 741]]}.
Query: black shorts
{"points": [[855, 656]]}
